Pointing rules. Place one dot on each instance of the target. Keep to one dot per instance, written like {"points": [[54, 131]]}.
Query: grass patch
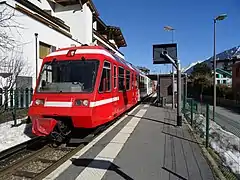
{"points": [[7, 115]]}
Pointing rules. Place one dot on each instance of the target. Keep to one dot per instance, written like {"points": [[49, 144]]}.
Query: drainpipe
{"points": [[36, 44]]}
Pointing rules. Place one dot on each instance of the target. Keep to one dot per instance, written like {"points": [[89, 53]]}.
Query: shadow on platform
{"points": [[28, 130], [179, 137], [173, 173], [154, 120], [100, 164]]}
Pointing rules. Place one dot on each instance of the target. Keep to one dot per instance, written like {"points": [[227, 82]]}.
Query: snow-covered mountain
{"points": [[228, 54]]}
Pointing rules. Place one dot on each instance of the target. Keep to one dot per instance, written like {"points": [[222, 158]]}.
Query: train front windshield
{"points": [[68, 76]]}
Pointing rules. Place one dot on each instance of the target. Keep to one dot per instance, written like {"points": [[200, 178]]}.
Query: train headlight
{"points": [[39, 102], [85, 102], [78, 102]]}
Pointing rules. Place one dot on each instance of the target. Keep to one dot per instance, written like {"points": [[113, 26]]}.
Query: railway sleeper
{"points": [[43, 160], [27, 174]]}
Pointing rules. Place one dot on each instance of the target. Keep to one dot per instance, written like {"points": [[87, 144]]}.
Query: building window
{"points": [[218, 81], [224, 81], [105, 84], [217, 76], [128, 80], [120, 78], [115, 76], [45, 49]]}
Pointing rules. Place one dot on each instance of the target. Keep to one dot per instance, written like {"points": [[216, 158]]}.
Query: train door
{"points": [[139, 87], [133, 88], [115, 95], [103, 107], [121, 89]]}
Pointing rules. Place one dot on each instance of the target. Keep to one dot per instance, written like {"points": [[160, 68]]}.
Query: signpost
{"points": [[167, 54]]}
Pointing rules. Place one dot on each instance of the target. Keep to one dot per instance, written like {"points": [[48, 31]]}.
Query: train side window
{"points": [[128, 80], [120, 78], [132, 76], [137, 81], [105, 84], [115, 76]]}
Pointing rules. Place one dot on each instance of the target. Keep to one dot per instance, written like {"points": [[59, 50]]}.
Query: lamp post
{"points": [[169, 28], [218, 18]]}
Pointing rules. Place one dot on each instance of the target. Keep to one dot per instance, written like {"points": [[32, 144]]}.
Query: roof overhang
{"points": [[80, 2], [117, 36]]}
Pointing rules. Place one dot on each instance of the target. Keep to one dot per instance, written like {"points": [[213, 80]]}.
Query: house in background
{"points": [[52, 24], [223, 77]]}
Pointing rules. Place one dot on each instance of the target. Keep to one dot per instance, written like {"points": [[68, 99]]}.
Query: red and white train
{"points": [[84, 87]]}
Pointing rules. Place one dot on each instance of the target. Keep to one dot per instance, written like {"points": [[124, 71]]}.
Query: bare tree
{"points": [[8, 24], [12, 62]]}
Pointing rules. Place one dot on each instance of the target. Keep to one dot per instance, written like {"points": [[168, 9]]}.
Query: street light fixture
{"points": [[221, 17], [218, 18], [169, 28]]}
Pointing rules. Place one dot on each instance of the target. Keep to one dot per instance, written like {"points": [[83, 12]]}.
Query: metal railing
{"points": [[14, 101], [223, 145], [15, 98]]}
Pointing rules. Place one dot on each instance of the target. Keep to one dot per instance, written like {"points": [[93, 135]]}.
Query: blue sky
{"points": [[142, 25]]}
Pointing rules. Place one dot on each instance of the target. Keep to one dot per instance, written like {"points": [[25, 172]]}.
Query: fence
{"points": [[15, 98], [221, 144], [14, 104]]}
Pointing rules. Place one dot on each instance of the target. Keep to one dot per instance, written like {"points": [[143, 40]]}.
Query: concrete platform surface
{"points": [[143, 145]]}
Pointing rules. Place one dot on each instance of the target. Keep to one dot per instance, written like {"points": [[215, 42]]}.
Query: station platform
{"points": [[145, 144]]}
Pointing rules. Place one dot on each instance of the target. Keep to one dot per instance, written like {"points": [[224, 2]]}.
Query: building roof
{"points": [[223, 72]]}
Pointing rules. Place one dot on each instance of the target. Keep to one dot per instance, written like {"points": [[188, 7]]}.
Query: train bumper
{"points": [[43, 126]]}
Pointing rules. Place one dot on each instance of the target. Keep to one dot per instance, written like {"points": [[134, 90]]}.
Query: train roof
{"points": [[95, 47]]}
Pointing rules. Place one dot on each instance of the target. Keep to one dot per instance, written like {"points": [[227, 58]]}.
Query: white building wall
{"points": [[27, 39], [80, 21]]}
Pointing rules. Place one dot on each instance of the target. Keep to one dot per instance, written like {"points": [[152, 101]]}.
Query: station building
{"points": [[42, 26]]}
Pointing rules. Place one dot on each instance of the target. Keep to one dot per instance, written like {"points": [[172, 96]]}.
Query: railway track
{"points": [[21, 162], [39, 163]]}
